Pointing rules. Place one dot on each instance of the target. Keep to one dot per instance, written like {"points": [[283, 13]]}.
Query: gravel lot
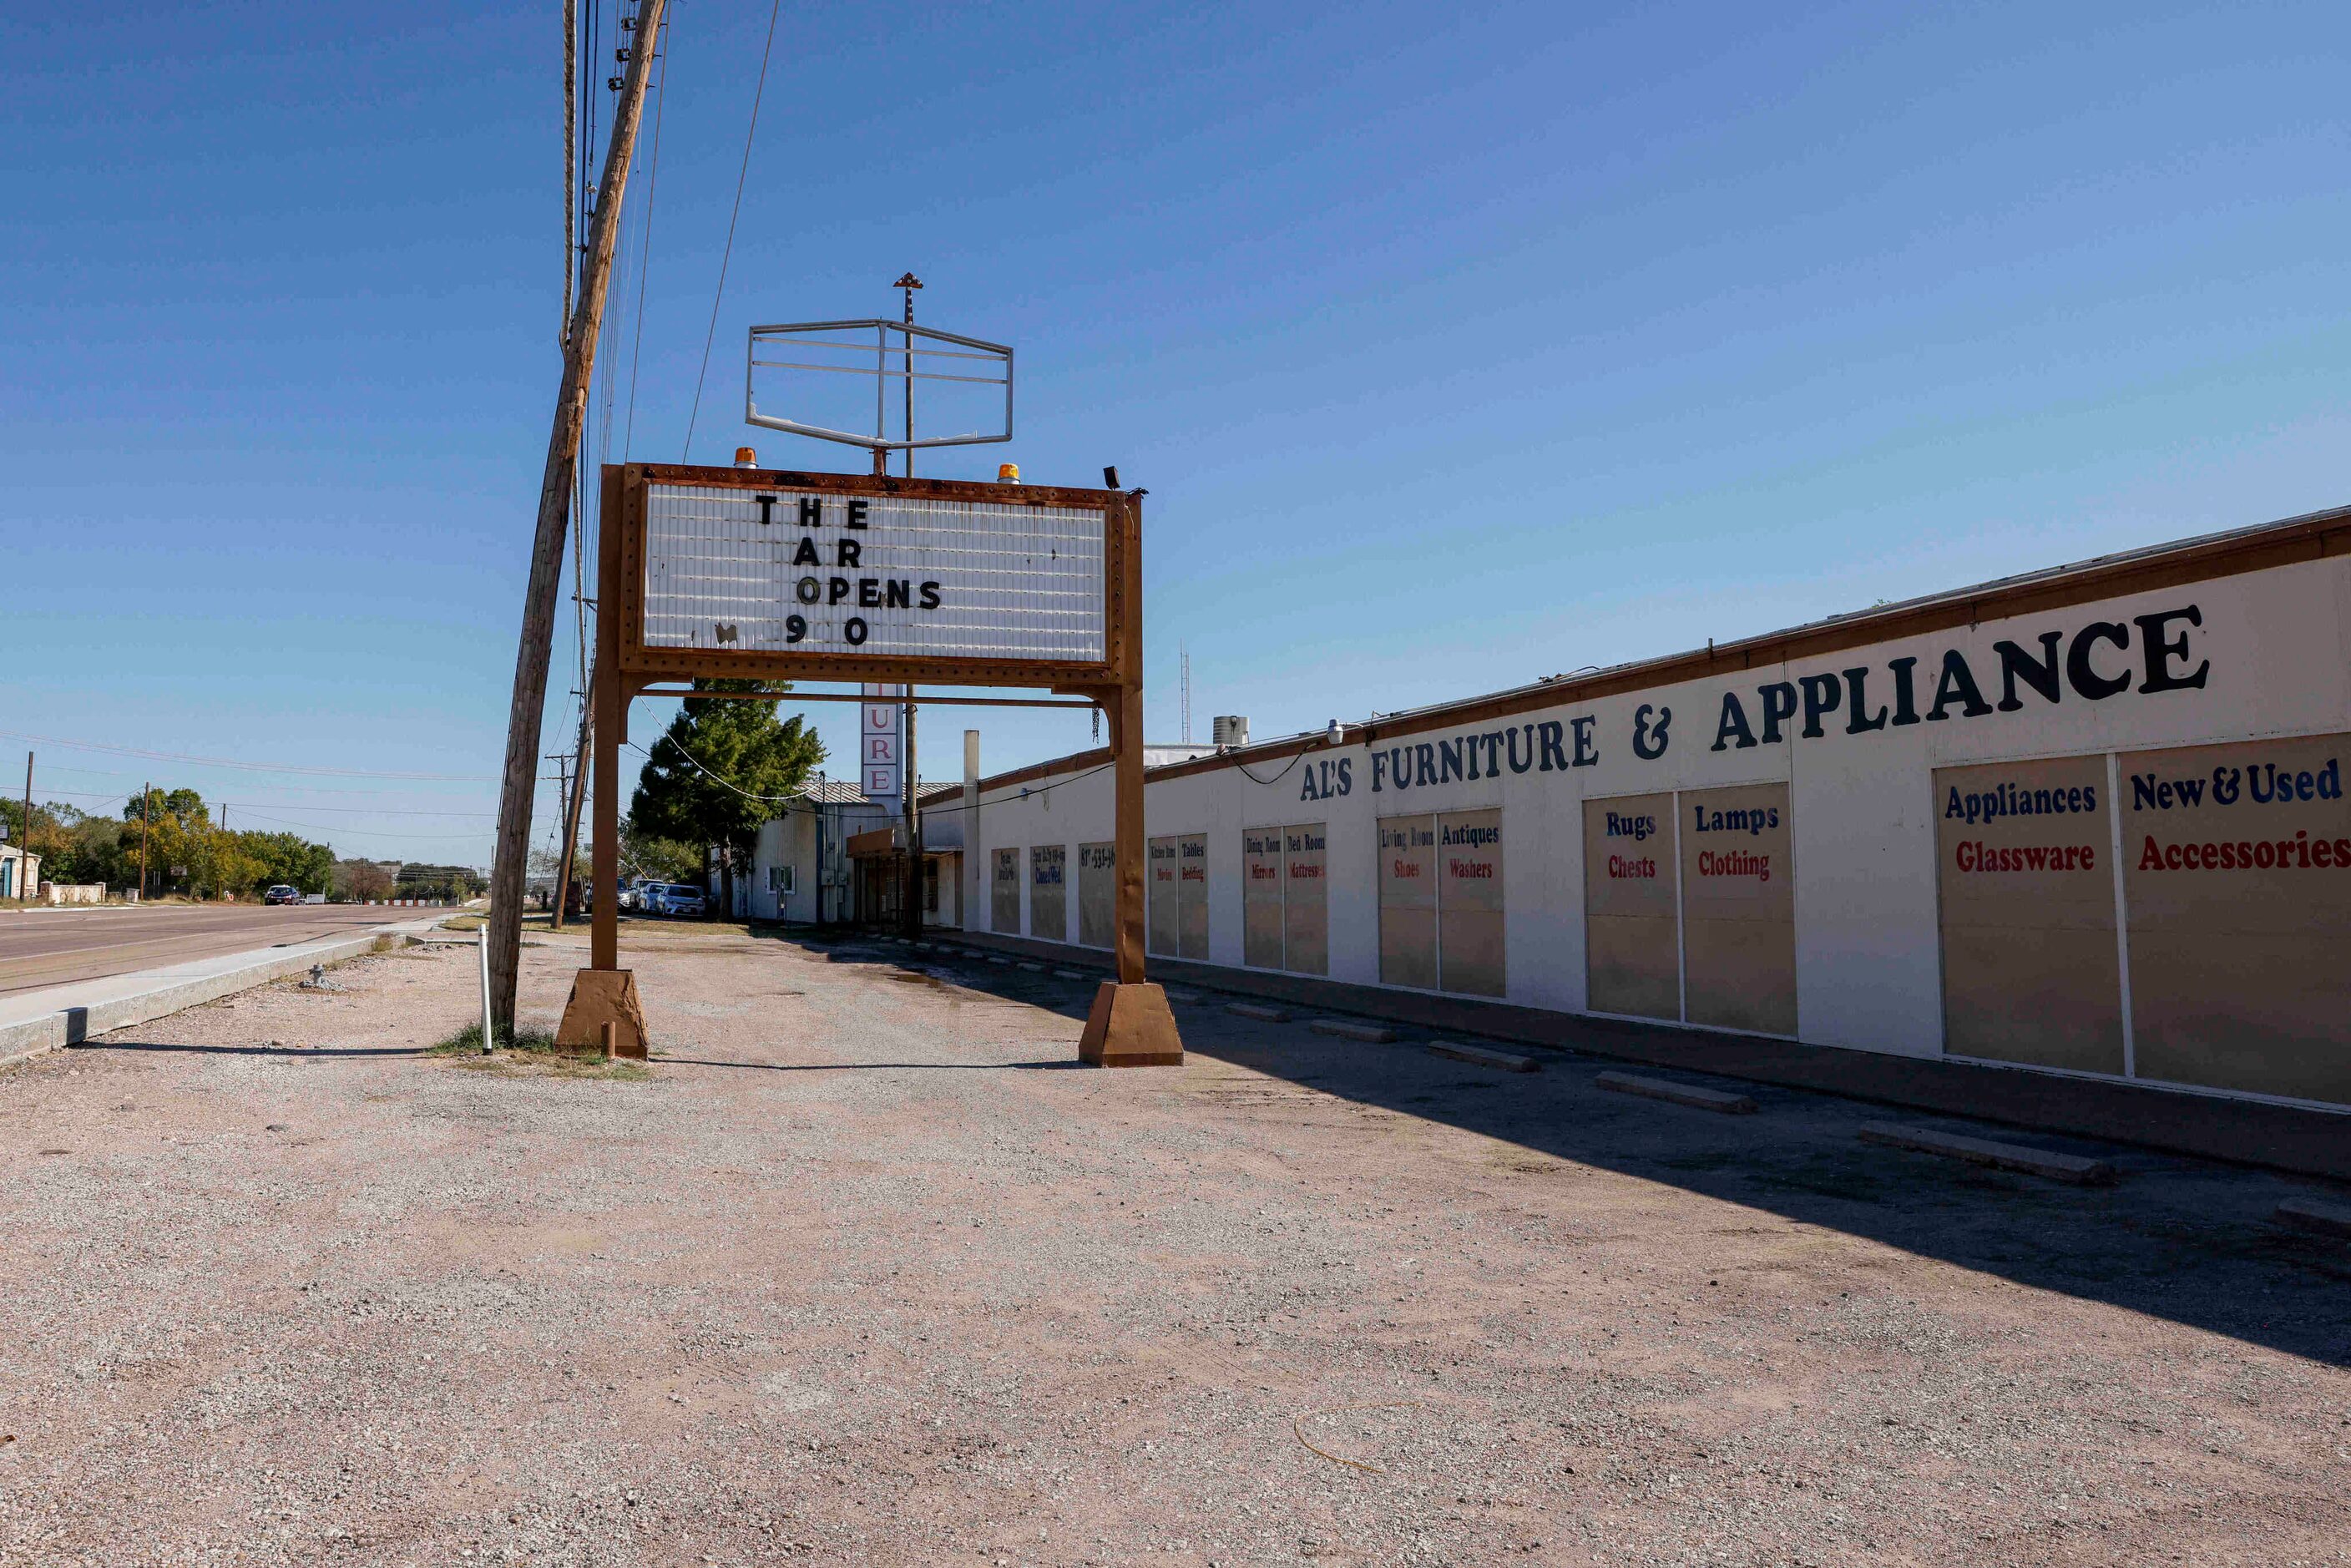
{"points": [[867, 1271]]}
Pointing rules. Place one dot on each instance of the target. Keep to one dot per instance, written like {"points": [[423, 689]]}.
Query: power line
{"points": [[249, 766], [729, 254]]}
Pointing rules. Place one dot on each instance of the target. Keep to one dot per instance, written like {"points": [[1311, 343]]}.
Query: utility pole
{"points": [[25, 844], [575, 795], [525, 712], [146, 805], [910, 895]]}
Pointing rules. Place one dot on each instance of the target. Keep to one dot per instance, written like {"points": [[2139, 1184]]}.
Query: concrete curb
{"points": [[1348, 1029], [38, 1037]]}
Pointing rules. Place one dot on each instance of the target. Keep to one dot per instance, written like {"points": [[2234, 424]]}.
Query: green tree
{"points": [[724, 767]]}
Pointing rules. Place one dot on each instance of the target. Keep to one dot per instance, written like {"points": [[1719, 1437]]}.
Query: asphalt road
{"points": [[54, 947]]}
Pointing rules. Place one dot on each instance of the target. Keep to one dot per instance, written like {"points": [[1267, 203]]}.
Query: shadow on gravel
{"points": [[313, 1053], [2177, 1238], [870, 1066]]}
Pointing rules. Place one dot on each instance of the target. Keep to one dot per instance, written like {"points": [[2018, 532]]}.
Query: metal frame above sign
{"points": [[967, 532]]}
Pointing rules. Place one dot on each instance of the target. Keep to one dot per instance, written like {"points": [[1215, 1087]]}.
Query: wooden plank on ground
{"points": [[1688, 1094]]}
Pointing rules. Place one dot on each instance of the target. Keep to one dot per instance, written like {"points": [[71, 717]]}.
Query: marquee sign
{"points": [[829, 576]]}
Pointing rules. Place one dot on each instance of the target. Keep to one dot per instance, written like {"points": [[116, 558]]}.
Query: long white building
{"points": [[2085, 820]]}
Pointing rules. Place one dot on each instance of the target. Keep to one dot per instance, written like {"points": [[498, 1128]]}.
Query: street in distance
{"points": [[775, 569]]}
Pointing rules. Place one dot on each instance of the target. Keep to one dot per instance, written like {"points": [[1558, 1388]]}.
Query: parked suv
{"points": [[282, 894]]}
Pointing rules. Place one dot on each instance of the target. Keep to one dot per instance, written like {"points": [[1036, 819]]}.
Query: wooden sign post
{"points": [[772, 575]]}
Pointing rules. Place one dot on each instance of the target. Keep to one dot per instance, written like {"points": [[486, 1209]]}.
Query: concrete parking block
{"points": [[1349, 1029], [1258, 1010], [1689, 1094], [1030, 968], [1002, 962], [1074, 975], [2074, 1168], [1483, 1056], [2309, 1214], [1177, 994]]}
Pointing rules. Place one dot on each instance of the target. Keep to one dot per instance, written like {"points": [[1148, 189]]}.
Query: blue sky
{"points": [[1457, 347]]}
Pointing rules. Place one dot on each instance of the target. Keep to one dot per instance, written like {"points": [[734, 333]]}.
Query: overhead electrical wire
{"points": [[727, 255], [249, 766]]}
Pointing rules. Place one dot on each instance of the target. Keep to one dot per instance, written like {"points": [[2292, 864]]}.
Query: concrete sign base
{"points": [[1130, 1026], [600, 996]]}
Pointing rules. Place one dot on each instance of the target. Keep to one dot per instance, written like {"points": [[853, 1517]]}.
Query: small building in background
{"points": [[20, 873], [831, 856]]}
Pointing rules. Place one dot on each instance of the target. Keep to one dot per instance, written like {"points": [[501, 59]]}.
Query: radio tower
{"points": [[1183, 657]]}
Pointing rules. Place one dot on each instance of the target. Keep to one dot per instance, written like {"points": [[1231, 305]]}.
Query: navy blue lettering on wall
{"points": [[1329, 777], [2101, 659]]}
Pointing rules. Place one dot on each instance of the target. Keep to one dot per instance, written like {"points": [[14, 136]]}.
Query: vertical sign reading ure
{"points": [[880, 753], [1163, 921], [1408, 902], [1048, 884], [1739, 908], [2024, 855], [1469, 923], [1192, 896], [2237, 871], [1004, 907], [1306, 900], [1632, 939], [1097, 894], [1261, 897]]}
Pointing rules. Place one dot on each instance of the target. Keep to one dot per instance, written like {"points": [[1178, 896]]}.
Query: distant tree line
{"points": [[190, 854]]}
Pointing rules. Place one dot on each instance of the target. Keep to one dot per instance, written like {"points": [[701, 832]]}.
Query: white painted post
{"points": [[484, 932]]}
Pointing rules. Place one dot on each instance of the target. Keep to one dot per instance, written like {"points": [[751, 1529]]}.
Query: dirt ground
{"points": [[865, 1271]]}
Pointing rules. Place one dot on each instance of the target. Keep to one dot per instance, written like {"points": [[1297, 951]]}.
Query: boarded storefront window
{"points": [[1261, 897], [2237, 877], [1097, 895], [1408, 902], [1163, 919], [1049, 885], [1470, 902], [1192, 896], [1739, 908], [2024, 865], [1003, 894], [1632, 939], [1306, 900]]}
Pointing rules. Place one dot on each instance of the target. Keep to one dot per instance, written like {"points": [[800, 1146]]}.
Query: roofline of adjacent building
{"points": [[2312, 536]]}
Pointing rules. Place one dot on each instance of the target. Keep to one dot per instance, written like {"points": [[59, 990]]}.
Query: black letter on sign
{"points": [[1861, 723], [1779, 703], [767, 505], [845, 552], [812, 511], [898, 594], [1586, 753], [1906, 700], [1732, 722], [1957, 685], [2078, 668], [857, 512], [806, 555], [837, 590], [1821, 696], [853, 629], [2159, 652], [869, 594], [1649, 740], [1549, 734], [2040, 673], [930, 600], [807, 591]]}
